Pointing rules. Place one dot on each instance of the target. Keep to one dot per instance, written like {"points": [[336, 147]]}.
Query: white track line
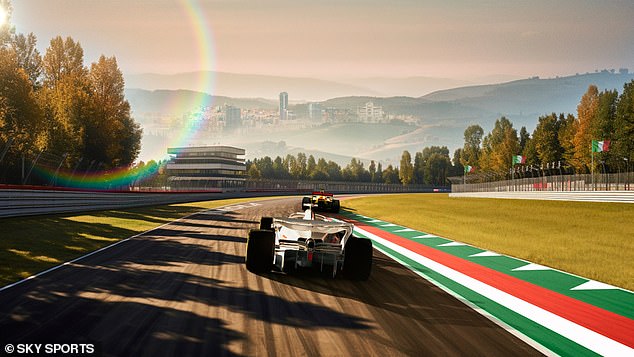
{"points": [[577, 333]]}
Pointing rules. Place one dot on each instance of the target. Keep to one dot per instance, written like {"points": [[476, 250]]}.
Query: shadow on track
{"points": [[390, 287], [149, 296]]}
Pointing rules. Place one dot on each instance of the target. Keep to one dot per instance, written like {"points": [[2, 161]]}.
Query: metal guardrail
{"points": [[37, 200], [16, 202]]}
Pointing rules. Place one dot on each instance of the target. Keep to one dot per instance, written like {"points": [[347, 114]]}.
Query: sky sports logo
{"points": [[51, 349]]}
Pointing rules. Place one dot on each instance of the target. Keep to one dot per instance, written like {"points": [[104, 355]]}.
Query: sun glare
{"points": [[3, 16]]}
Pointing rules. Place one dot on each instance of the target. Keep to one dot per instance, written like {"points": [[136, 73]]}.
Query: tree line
{"points": [[55, 103], [559, 142], [431, 166]]}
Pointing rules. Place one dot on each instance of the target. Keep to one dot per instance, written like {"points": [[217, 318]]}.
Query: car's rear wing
{"points": [[318, 193], [314, 226]]}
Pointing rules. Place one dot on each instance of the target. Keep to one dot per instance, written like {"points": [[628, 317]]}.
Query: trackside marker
{"points": [[485, 254], [389, 225], [531, 267], [452, 244], [404, 230], [374, 221], [595, 285], [619, 326]]}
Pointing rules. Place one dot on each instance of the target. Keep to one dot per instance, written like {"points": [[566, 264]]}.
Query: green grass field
{"points": [[593, 240], [29, 245]]}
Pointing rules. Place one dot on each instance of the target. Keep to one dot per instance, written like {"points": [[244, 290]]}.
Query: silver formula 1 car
{"points": [[308, 241]]}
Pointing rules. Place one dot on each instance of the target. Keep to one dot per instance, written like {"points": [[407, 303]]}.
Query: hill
{"points": [[443, 115], [177, 102], [247, 85]]}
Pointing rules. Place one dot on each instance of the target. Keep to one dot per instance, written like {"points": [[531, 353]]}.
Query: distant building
{"points": [[205, 167], [233, 118], [283, 106], [370, 113], [314, 111]]}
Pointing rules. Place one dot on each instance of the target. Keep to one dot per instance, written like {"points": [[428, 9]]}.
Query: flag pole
{"points": [[592, 168]]}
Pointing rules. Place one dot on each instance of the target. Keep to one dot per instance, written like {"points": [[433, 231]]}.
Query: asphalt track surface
{"points": [[183, 289]]}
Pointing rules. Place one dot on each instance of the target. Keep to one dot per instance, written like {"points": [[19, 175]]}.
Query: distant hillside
{"points": [[408, 86], [248, 85], [444, 115], [531, 96], [180, 101]]}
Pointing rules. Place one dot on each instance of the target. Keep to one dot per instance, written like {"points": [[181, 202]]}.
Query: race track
{"points": [[183, 289]]}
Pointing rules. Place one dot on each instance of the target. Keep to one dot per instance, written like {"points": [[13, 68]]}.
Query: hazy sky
{"points": [[343, 38]]}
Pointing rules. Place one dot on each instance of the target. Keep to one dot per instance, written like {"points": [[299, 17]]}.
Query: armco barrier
{"points": [[15, 203], [38, 200]]}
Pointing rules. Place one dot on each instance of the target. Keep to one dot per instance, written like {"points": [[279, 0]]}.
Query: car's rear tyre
{"points": [[260, 250], [305, 203], [357, 263], [266, 223], [336, 206]]}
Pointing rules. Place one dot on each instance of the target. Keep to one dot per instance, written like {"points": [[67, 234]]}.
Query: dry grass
{"points": [[594, 240], [32, 244]]}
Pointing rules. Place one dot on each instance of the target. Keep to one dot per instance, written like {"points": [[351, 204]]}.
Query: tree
{"points": [[586, 112], [301, 165], [546, 139], [499, 147], [279, 170], [112, 137], [624, 124], [253, 172], [457, 168], [311, 164], [390, 175], [378, 177], [65, 98], [566, 135], [355, 172], [321, 170], [602, 125], [436, 164], [21, 118], [372, 170], [63, 58], [28, 57], [406, 173], [334, 171], [419, 169], [472, 141], [293, 168], [524, 137]]}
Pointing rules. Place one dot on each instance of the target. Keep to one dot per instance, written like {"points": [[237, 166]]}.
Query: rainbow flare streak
{"points": [[123, 177]]}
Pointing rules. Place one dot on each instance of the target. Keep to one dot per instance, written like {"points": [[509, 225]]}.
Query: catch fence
{"points": [[561, 183]]}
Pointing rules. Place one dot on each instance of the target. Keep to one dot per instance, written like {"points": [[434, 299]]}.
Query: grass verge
{"points": [[593, 240], [32, 244]]}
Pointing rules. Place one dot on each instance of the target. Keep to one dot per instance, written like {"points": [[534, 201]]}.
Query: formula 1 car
{"points": [[321, 201], [306, 240]]}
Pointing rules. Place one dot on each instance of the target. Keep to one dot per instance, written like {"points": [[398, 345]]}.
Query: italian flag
{"points": [[519, 159], [600, 146], [468, 169]]}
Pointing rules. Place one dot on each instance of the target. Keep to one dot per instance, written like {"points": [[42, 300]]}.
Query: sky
{"points": [[332, 39]]}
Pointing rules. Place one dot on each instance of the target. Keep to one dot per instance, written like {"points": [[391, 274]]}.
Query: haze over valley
{"points": [[164, 104]]}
